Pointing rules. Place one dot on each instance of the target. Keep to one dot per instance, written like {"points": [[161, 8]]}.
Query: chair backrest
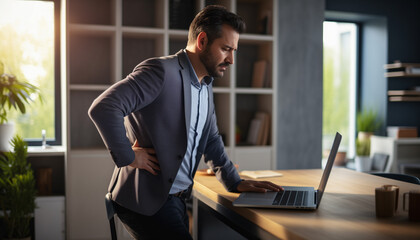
{"points": [[400, 177], [110, 214], [410, 169], [379, 162]]}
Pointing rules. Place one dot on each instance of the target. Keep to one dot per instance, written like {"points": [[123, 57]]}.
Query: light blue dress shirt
{"points": [[199, 110]]}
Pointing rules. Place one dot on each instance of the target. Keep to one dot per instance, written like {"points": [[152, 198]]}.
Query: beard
{"points": [[211, 65]]}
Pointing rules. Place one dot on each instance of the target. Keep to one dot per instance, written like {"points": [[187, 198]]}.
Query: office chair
{"points": [[379, 161], [110, 213], [399, 176]]}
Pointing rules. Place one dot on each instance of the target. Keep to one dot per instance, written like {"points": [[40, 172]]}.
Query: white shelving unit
{"points": [[400, 151], [108, 38]]}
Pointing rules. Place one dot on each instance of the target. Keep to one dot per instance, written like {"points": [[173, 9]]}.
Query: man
{"points": [[159, 121]]}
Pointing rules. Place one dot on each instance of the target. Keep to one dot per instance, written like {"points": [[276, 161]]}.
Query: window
{"points": [[29, 49], [339, 110]]}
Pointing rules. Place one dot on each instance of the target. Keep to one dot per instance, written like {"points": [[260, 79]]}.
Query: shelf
{"points": [[181, 13], [403, 93], [246, 38], [254, 91], [84, 133], [142, 31], [258, 15], [407, 69], [404, 99], [177, 43], [91, 12], [250, 53], [226, 3], [91, 59], [92, 29], [88, 87], [136, 49], [38, 151], [401, 65], [133, 15], [400, 74]]}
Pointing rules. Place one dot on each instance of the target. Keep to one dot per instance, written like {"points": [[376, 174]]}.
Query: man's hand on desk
{"points": [[257, 186]]}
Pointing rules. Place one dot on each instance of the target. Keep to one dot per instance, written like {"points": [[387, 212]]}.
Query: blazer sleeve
{"points": [[216, 157], [131, 94]]}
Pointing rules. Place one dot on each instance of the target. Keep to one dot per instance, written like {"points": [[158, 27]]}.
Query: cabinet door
{"points": [[49, 218], [88, 176]]}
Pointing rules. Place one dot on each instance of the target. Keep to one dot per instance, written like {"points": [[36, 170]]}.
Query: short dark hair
{"points": [[210, 20]]}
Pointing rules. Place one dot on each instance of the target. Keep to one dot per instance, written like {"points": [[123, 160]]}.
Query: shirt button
{"points": [[171, 180], [180, 157]]}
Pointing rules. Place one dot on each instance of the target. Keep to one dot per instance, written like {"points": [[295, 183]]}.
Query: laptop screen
{"points": [[328, 166]]}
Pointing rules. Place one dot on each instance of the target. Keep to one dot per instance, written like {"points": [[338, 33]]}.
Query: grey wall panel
{"points": [[300, 64]]}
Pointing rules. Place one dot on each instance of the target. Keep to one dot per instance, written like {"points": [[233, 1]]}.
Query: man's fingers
{"points": [[258, 186], [150, 170], [270, 186], [150, 150], [153, 159], [154, 165]]}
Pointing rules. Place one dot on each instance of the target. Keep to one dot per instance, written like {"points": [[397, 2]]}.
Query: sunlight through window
{"points": [[339, 110], [27, 51]]}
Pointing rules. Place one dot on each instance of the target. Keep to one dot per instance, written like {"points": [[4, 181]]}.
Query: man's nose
{"points": [[230, 57]]}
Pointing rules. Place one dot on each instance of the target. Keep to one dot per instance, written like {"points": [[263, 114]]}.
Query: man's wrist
{"points": [[235, 186]]}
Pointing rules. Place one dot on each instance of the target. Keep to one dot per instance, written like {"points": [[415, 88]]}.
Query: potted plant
{"points": [[13, 94], [367, 123], [17, 191], [362, 160]]}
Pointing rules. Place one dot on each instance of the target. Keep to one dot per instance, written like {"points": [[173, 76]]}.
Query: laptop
{"points": [[292, 197]]}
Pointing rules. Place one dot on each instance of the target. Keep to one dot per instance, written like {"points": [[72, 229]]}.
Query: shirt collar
{"points": [[194, 79]]}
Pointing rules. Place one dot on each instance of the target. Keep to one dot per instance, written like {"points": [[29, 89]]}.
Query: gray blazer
{"points": [[153, 105]]}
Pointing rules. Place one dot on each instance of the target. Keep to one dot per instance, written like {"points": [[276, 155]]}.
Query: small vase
{"points": [[6, 134], [363, 163], [364, 135]]}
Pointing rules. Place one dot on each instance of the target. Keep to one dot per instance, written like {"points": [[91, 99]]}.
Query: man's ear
{"points": [[202, 41]]}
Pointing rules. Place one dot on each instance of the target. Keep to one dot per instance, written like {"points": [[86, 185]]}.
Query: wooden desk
{"points": [[347, 210]]}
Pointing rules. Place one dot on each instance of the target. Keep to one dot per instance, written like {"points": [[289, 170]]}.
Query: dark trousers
{"points": [[170, 222]]}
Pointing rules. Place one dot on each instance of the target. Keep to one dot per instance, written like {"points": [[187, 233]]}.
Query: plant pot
{"points": [[340, 159], [363, 163], [364, 135], [7, 131]]}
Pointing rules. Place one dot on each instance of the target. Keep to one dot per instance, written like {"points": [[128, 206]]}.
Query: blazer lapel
{"points": [[211, 103], [186, 81]]}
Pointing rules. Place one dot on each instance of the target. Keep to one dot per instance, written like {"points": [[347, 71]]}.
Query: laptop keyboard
{"points": [[291, 198]]}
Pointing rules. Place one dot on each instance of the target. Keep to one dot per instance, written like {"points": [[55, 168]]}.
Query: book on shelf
{"points": [[266, 23], [253, 131], [402, 132], [259, 127], [259, 74]]}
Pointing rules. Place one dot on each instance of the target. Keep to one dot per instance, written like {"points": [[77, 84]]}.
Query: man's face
{"points": [[219, 55]]}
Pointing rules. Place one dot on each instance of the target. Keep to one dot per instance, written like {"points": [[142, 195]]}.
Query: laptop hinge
{"points": [[316, 197]]}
